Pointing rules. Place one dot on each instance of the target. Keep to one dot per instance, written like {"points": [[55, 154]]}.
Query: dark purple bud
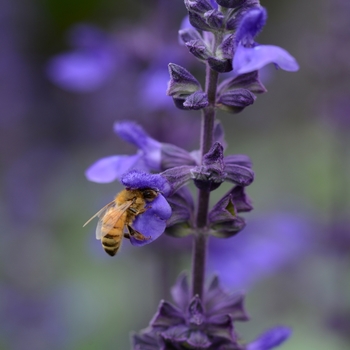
{"points": [[198, 21], [182, 83], [211, 174], [239, 175], [198, 49], [230, 3], [234, 101], [214, 18], [189, 34], [240, 199], [196, 101], [220, 65], [199, 6], [249, 81], [196, 312], [228, 228], [251, 24], [214, 158]]}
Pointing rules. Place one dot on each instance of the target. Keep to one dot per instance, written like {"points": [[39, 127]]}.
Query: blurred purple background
{"points": [[69, 70]]}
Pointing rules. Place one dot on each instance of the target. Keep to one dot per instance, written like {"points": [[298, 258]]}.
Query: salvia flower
{"points": [[249, 55], [152, 222], [147, 158], [208, 323]]}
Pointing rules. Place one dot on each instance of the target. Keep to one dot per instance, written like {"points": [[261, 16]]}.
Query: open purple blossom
{"points": [[147, 158], [88, 65], [249, 55], [206, 323], [152, 222]]}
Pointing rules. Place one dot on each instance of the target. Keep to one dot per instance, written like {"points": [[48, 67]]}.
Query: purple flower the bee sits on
{"points": [[152, 222], [249, 55], [91, 62]]}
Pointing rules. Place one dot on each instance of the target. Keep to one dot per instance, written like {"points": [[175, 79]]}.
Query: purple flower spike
{"points": [[147, 158], [270, 339], [249, 56]]}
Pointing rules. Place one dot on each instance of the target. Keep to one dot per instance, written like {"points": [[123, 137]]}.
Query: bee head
{"points": [[149, 194]]}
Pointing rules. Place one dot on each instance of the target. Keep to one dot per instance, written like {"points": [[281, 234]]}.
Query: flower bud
{"points": [[182, 83], [189, 34], [198, 21], [199, 6], [197, 100], [214, 18], [234, 101], [249, 81], [198, 49]]}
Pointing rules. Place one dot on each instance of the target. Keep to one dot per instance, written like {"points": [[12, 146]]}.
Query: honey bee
{"points": [[116, 218]]}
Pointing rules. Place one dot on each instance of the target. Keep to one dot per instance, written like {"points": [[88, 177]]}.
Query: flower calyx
{"points": [[185, 89], [223, 218]]}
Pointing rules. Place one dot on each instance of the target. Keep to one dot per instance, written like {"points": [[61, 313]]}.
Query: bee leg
{"points": [[137, 212], [136, 234]]}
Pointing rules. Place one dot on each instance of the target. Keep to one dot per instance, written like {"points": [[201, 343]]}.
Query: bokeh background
{"points": [[68, 71]]}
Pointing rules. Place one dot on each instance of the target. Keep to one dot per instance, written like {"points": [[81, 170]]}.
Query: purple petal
{"points": [[250, 59], [138, 179], [270, 339], [251, 24], [133, 133], [152, 223], [111, 168]]}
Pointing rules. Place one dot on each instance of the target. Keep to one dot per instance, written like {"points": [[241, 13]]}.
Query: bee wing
{"points": [[100, 213], [117, 213]]}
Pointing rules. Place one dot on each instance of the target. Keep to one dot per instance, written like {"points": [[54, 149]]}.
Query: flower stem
{"points": [[201, 237]]}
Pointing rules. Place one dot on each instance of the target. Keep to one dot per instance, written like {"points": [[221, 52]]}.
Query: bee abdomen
{"points": [[110, 245]]}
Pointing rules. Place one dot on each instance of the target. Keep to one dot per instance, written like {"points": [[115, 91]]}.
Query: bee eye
{"points": [[149, 194]]}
